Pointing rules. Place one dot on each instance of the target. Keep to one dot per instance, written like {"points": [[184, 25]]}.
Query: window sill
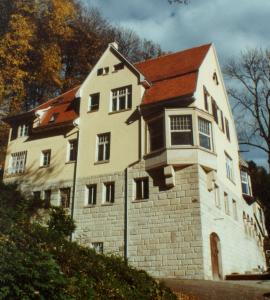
{"points": [[89, 206], [107, 204], [119, 111], [140, 200], [101, 162], [92, 111], [70, 162], [44, 167]]}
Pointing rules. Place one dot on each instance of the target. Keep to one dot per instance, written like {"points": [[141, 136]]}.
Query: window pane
{"points": [[138, 190], [100, 152], [181, 138], [205, 141], [156, 134], [114, 105], [122, 102]]}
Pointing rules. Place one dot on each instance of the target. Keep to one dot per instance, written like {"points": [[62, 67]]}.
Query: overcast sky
{"points": [[232, 25]]}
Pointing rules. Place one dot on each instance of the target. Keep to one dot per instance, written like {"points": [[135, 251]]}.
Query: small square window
{"points": [[37, 195], [109, 192], [65, 197], [91, 194], [46, 158], [118, 67], [99, 71], [142, 188], [94, 102], [98, 247]]}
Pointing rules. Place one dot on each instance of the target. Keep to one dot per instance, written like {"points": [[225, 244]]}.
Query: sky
{"points": [[232, 25]]}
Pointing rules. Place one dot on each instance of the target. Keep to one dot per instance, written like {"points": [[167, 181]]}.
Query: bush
{"points": [[39, 262]]}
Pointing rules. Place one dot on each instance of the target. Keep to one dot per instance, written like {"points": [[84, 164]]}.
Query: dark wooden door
{"points": [[215, 256]]}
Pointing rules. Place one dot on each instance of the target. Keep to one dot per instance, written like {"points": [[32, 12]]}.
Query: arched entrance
{"points": [[215, 256]]}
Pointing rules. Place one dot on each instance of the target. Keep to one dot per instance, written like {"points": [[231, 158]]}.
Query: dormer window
{"points": [[53, 117], [23, 130], [245, 183]]}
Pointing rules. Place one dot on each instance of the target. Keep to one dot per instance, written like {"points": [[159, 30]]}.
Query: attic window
{"points": [[118, 67], [53, 117], [103, 71], [215, 78]]}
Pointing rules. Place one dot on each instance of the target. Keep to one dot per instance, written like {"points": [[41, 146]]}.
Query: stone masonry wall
{"points": [[164, 231]]}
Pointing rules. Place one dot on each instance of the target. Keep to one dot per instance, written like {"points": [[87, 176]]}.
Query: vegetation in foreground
{"points": [[38, 262]]}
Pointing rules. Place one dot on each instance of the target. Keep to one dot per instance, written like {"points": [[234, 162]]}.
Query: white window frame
{"points": [[17, 162], [184, 128], [70, 142], [93, 200], [23, 130], [45, 159], [245, 181], [116, 95], [105, 140], [206, 132], [90, 105], [144, 187], [229, 167], [110, 188], [98, 247]]}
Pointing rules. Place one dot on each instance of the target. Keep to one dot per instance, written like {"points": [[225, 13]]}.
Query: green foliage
{"points": [[39, 262]]}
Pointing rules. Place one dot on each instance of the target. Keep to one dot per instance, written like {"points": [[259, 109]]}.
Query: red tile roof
{"points": [[173, 75], [62, 107]]}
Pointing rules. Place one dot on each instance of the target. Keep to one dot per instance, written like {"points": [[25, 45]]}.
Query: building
{"points": [[145, 158]]}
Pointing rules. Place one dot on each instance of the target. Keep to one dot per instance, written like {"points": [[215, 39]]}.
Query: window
{"points": [[245, 182], [73, 147], [181, 130], [119, 67], [226, 204], [47, 197], [17, 163], [142, 188], [109, 192], [222, 121], [234, 206], [229, 167], [205, 133], [156, 134], [215, 110], [23, 130], [99, 71], [37, 195], [217, 196], [103, 147], [65, 197], [91, 194], [53, 117], [45, 158], [260, 215], [206, 95], [103, 71], [94, 102], [227, 129], [121, 98], [98, 247], [215, 78]]}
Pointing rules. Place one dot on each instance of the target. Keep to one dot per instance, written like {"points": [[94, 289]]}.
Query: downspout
{"points": [[126, 217], [74, 181]]}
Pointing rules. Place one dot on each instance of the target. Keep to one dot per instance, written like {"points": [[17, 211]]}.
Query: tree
{"points": [[39, 262], [261, 189], [250, 74]]}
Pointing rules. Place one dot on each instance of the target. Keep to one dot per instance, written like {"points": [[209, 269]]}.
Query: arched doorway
{"points": [[215, 256]]}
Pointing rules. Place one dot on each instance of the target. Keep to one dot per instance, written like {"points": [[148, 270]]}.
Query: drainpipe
{"points": [[126, 217], [74, 178]]}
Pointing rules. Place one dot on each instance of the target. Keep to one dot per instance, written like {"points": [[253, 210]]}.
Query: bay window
{"points": [[181, 130], [156, 133], [205, 133]]}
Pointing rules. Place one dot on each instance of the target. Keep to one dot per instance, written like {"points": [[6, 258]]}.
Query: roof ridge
{"points": [[172, 53]]}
